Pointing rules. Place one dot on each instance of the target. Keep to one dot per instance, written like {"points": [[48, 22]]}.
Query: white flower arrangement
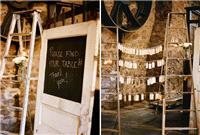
{"points": [[19, 60], [186, 45]]}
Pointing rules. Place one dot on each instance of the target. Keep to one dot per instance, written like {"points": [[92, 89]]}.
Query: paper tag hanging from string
{"points": [[128, 81], [136, 97], [129, 97], [121, 79], [134, 65], [133, 51], [142, 96], [149, 67], [121, 63], [120, 96], [157, 96], [151, 96], [153, 64]]}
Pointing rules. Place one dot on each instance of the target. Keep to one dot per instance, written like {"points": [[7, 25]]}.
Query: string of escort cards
{"points": [[130, 64]]}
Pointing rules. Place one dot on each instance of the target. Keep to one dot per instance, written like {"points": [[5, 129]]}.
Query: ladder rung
{"points": [[108, 75], [180, 128], [179, 75], [108, 59], [20, 34], [108, 93], [109, 130], [109, 111], [174, 42], [10, 56], [178, 58], [11, 81], [34, 78], [176, 28], [181, 13], [27, 11], [181, 110], [179, 92], [9, 76], [15, 108]]}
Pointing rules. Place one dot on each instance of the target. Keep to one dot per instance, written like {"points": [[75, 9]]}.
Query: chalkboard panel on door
{"points": [[65, 67]]}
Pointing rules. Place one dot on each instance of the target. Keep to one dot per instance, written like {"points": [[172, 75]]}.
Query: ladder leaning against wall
{"points": [[117, 126], [16, 22], [187, 50]]}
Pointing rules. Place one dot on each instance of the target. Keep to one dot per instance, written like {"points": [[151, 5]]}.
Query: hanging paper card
{"points": [[159, 63], [121, 63], [153, 64], [120, 96], [128, 80], [121, 79], [131, 81], [126, 64], [150, 67], [157, 96], [140, 52], [153, 80], [157, 50], [120, 47], [151, 96], [133, 51], [136, 98], [137, 52], [129, 97], [134, 65], [142, 96], [147, 65]]}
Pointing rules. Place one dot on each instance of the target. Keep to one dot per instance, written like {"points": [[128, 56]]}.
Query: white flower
{"points": [[186, 45], [19, 59]]}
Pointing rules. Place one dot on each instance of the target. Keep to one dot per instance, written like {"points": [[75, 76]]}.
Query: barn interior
{"points": [[144, 89]]}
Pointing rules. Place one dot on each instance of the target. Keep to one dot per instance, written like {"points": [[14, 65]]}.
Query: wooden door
{"points": [[67, 76]]}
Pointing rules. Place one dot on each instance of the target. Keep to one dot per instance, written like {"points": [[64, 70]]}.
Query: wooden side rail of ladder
{"points": [[16, 19], [116, 112], [165, 111]]}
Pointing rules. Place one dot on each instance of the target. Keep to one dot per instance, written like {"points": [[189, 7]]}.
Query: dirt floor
{"points": [[140, 119]]}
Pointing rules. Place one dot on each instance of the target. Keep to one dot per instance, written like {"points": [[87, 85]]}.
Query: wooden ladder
{"points": [[116, 113], [168, 57], [16, 20]]}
